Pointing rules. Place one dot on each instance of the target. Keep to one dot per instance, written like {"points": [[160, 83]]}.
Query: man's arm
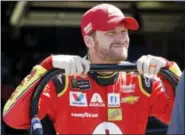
{"points": [[174, 69], [177, 119], [162, 100], [17, 109], [16, 112], [162, 97]]}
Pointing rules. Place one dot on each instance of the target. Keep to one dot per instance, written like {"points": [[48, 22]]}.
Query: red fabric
{"points": [[168, 63], [47, 63], [69, 119], [105, 17]]}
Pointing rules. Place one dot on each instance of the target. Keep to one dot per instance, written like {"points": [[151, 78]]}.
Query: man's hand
{"points": [[72, 64], [150, 65]]}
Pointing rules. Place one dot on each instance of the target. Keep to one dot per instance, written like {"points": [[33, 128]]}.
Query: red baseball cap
{"points": [[105, 17]]}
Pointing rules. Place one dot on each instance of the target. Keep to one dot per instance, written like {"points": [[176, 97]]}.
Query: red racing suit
{"points": [[116, 104]]}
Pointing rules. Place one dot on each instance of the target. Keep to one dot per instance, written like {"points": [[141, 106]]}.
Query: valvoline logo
{"points": [[78, 99]]}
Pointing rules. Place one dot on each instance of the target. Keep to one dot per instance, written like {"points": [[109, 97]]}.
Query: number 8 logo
{"points": [[107, 128]]}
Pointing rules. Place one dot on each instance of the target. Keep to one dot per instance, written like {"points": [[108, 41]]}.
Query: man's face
{"points": [[112, 45]]}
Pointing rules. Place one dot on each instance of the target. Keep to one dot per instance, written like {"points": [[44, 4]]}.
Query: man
{"points": [[84, 102], [177, 120]]}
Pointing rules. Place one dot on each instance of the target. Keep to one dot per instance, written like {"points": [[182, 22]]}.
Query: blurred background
{"points": [[31, 31]]}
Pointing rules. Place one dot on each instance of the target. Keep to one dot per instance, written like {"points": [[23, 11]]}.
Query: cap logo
{"points": [[88, 28]]}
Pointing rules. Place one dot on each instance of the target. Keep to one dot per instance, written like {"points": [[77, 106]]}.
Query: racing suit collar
{"points": [[103, 79]]}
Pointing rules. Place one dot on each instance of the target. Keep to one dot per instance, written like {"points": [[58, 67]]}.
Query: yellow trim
{"points": [[176, 70], [132, 73], [65, 88], [106, 76], [141, 87], [24, 86]]}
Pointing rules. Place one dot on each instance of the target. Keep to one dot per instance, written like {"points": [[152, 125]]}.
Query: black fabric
{"points": [[48, 126], [147, 84], [59, 82], [104, 79]]}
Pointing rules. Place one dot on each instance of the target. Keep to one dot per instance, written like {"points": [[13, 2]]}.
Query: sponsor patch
{"points": [[88, 28], [130, 99], [78, 99], [80, 84], [96, 101], [85, 115], [128, 88], [113, 100], [114, 114]]}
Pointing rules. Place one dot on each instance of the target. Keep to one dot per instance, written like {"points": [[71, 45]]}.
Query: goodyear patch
{"points": [[130, 99], [115, 114]]}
